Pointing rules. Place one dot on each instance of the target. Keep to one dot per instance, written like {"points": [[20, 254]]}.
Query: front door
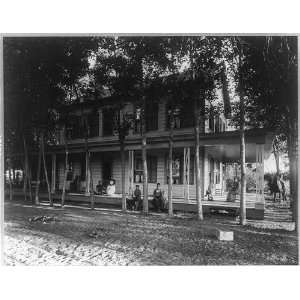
{"points": [[107, 171]]}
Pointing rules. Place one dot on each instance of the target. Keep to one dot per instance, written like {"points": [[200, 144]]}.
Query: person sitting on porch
{"points": [[209, 194], [135, 203], [99, 188], [157, 198], [111, 188], [233, 190]]}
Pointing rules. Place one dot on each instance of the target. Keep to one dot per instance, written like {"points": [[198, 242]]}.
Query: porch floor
{"points": [[218, 202]]}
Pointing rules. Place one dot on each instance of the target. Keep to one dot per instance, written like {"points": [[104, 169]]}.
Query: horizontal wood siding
{"points": [[178, 189], [96, 170]]}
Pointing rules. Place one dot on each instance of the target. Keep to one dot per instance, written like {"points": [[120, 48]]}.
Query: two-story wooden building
{"points": [[219, 147]]}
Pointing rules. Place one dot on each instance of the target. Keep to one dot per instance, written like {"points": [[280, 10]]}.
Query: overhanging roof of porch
{"points": [[223, 145], [228, 149]]}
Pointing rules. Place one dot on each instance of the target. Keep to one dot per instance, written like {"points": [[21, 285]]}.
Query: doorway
{"points": [[107, 170]]}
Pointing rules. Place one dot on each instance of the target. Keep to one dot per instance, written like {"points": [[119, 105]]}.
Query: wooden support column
{"points": [[53, 176], [260, 199], [186, 173], [100, 122], [131, 171]]}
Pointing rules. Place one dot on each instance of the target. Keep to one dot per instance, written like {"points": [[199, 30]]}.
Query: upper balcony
{"points": [[101, 123]]}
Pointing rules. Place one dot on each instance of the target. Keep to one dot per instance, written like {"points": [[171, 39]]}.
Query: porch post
{"points": [[53, 173], [131, 166], [260, 199], [186, 173], [100, 122]]}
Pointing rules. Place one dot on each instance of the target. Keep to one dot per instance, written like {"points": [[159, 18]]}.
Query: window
{"points": [[177, 118], [152, 169], [187, 115], [211, 171], [217, 124], [151, 116], [93, 121], [74, 127], [137, 123], [108, 122], [217, 172], [183, 116], [211, 121], [178, 170], [151, 166]]}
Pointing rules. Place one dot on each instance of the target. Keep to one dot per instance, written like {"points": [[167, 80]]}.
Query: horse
{"points": [[278, 187]]}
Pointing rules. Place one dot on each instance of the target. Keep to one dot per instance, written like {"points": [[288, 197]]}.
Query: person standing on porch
{"points": [[157, 198]]}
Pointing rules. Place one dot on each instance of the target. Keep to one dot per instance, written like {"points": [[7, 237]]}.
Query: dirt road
{"points": [[80, 236]]}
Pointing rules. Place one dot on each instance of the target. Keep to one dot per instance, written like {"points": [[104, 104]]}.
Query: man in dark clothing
{"points": [[135, 203], [157, 198], [137, 198], [99, 188]]}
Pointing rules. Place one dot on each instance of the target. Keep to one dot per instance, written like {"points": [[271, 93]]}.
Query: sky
{"points": [[270, 165]]}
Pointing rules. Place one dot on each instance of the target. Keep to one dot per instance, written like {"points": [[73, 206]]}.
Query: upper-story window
{"points": [[108, 121], [93, 121], [74, 127], [151, 116], [216, 123], [183, 116]]}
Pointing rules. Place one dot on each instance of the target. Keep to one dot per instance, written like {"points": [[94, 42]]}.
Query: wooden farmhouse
{"points": [[219, 156]]}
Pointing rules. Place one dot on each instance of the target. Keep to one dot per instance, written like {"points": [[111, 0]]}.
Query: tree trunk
{"points": [[293, 162], [27, 171], [197, 160], [122, 149], [170, 161], [10, 180], [145, 175], [38, 174], [24, 179], [276, 156], [242, 162], [92, 191], [45, 171], [88, 172], [63, 195]]}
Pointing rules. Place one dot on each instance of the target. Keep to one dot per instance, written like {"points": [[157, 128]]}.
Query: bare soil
{"points": [[43, 235]]}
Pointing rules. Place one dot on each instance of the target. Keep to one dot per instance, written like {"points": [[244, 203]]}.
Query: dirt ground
{"points": [[80, 236]]}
